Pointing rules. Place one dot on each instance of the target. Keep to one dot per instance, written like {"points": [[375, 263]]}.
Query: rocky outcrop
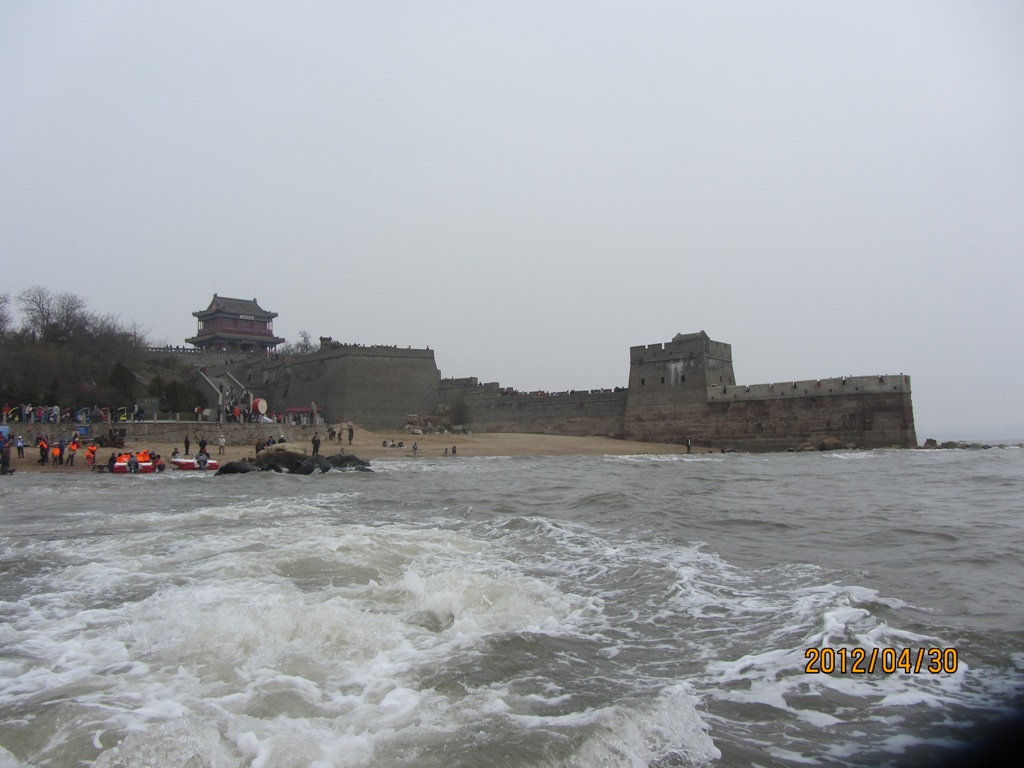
{"points": [[296, 462], [237, 468]]}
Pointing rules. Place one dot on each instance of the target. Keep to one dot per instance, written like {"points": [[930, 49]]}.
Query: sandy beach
{"points": [[369, 446]]}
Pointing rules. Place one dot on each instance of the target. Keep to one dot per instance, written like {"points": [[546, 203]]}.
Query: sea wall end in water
{"points": [[678, 391]]}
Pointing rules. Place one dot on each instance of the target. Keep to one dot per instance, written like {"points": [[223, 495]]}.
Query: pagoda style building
{"points": [[235, 325]]}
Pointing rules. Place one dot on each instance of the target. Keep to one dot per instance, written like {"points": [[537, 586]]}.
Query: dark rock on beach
{"points": [[347, 462], [237, 468], [298, 463]]}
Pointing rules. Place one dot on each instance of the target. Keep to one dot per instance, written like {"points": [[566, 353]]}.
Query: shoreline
{"points": [[369, 446]]}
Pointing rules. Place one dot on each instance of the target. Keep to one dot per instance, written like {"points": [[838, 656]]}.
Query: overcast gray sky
{"points": [[531, 188]]}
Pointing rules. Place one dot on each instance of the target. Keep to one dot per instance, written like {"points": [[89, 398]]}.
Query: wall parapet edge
{"points": [[841, 385]]}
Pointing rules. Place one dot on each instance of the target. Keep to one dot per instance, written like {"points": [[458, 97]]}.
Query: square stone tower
{"points": [[668, 384]]}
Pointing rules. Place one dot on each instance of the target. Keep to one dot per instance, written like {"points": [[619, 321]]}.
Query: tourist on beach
{"points": [[351, 432], [220, 443], [316, 444], [188, 443], [415, 448], [20, 445]]}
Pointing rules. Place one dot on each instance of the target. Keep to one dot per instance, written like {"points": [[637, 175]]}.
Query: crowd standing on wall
{"points": [[31, 414], [54, 414]]}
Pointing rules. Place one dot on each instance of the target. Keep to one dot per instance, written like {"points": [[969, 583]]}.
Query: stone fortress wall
{"points": [[678, 390], [375, 387], [685, 389], [489, 408]]}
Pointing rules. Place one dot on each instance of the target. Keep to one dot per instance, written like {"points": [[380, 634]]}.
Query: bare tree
{"points": [[305, 342], [37, 306], [111, 339], [70, 317], [5, 313]]}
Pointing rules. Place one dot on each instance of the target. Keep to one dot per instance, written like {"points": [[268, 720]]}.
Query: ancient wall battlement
{"points": [[491, 408], [373, 386], [688, 346], [843, 385], [678, 390]]}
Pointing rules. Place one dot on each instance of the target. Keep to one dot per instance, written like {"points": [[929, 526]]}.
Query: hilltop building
{"points": [[235, 325]]}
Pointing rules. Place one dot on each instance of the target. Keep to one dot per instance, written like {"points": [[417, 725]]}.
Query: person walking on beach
{"points": [[220, 444], [188, 443], [350, 433], [316, 444], [20, 445]]}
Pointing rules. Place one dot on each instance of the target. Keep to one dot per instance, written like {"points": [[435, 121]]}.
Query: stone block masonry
{"points": [[680, 389], [375, 387], [487, 409], [686, 389]]}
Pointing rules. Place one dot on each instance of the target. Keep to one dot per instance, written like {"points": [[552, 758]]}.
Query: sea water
{"points": [[569, 611]]}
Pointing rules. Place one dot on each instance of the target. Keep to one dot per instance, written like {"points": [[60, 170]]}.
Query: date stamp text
{"points": [[866, 661]]}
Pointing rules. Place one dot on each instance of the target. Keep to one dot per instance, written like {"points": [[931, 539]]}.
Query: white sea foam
{"points": [[559, 612]]}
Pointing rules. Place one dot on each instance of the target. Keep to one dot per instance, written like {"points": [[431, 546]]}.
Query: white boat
{"points": [[188, 462]]}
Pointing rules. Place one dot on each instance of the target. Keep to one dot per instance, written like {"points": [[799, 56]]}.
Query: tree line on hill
{"points": [[55, 351]]}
